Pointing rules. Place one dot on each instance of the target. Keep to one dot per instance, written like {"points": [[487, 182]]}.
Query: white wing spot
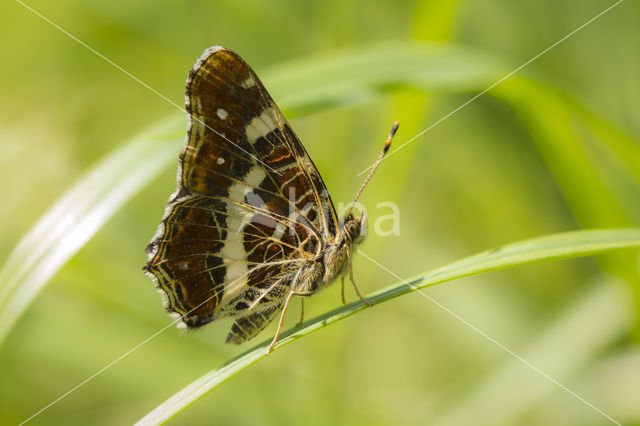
{"points": [[233, 251], [255, 176], [223, 114], [239, 190], [262, 125], [279, 231], [220, 161], [250, 82]]}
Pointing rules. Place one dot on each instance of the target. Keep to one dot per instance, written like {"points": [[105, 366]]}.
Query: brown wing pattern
{"points": [[250, 209]]}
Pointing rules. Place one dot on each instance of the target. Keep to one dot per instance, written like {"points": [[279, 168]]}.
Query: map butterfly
{"points": [[251, 223]]}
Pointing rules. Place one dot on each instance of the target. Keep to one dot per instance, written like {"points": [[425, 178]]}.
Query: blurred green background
{"points": [[555, 147]]}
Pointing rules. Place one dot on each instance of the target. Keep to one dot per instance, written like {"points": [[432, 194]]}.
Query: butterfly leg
{"points": [[284, 311], [342, 290], [356, 287], [301, 313]]}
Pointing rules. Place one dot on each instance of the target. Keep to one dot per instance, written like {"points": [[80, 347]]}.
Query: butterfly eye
{"points": [[352, 229]]}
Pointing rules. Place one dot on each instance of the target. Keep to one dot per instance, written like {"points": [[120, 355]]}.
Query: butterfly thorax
{"points": [[335, 258]]}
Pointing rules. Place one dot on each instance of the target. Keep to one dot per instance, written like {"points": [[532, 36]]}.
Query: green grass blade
{"points": [[595, 164], [619, 146], [351, 76], [78, 215], [557, 246], [552, 123]]}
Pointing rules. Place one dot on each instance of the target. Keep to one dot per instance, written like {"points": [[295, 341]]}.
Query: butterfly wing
{"points": [[250, 209]]}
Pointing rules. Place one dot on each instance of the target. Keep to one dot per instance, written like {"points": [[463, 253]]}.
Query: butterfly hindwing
{"points": [[244, 328], [250, 207]]}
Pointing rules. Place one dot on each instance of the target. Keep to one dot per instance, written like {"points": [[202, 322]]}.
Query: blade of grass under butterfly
{"points": [[556, 246], [78, 215]]}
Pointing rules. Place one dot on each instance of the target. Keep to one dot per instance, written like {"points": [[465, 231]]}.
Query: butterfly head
{"points": [[355, 228]]}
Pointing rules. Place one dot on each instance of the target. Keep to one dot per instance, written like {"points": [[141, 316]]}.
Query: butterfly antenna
{"points": [[385, 148]]}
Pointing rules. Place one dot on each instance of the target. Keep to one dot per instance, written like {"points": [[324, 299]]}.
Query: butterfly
{"points": [[251, 223]]}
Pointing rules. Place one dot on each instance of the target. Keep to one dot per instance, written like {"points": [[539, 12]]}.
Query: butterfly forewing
{"points": [[250, 209]]}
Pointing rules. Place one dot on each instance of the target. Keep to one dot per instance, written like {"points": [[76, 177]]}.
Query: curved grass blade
{"points": [[556, 246], [78, 215], [351, 76]]}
